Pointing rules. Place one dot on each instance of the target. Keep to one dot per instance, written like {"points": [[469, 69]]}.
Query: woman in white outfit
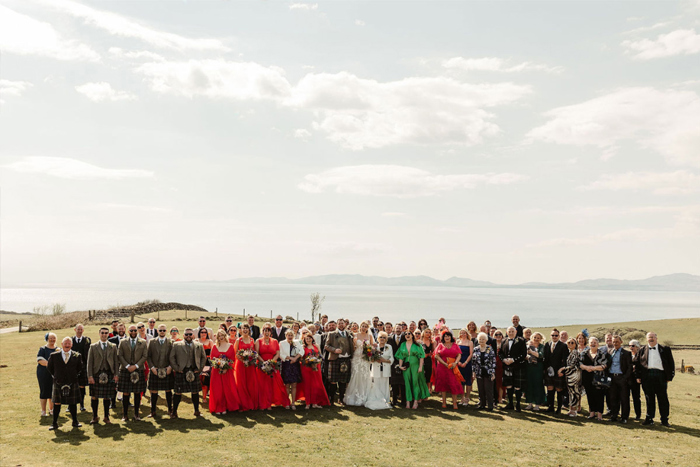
{"points": [[360, 376], [380, 395]]}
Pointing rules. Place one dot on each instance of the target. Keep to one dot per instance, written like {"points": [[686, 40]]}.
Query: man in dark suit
{"points": [[81, 344], [513, 355], [279, 331], [620, 372], [65, 366], [151, 329], [254, 330], [555, 355], [655, 369], [518, 327], [398, 385]]}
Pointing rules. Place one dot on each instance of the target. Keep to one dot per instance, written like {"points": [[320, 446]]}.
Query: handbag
{"points": [[601, 380]]}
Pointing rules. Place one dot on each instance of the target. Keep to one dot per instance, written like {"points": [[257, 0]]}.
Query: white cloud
{"points": [[665, 121], [23, 35], [216, 78], [302, 134], [667, 183], [12, 88], [496, 64], [119, 25], [135, 54], [397, 181], [303, 6], [648, 28], [359, 22], [73, 169], [679, 42], [100, 92]]}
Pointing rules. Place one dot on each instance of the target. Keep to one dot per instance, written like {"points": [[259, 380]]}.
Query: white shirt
{"points": [[65, 355], [654, 359], [278, 330]]}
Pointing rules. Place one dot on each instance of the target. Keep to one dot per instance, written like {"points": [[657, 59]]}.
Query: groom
{"points": [[339, 347]]}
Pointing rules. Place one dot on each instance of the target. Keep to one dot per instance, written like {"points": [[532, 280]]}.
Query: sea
{"points": [[536, 307]]}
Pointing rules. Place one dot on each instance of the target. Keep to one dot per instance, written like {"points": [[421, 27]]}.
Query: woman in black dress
{"points": [[42, 374], [428, 348], [594, 361]]}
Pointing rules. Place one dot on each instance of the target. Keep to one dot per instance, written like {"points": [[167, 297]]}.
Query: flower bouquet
{"points": [[269, 367], [222, 364], [248, 356], [312, 361], [370, 354]]}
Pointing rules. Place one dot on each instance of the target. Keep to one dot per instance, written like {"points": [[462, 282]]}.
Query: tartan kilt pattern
{"points": [[334, 374], [82, 377], [157, 384], [556, 381], [182, 386], [72, 398], [104, 391], [518, 379], [125, 384]]}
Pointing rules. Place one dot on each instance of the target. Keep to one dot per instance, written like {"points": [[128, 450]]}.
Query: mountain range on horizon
{"points": [[680, 282]]}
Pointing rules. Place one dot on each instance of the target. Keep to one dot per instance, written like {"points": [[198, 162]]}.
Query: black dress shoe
{"points": [[607, 414], [518, 409], [613, 418], [549, 409], [508, 407], [77, 424], [666, 424], [648, 421], [624, 421], [638, 417], [53, 427]]}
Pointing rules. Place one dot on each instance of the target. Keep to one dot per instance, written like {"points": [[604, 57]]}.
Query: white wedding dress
{"points": [[360, 378]]}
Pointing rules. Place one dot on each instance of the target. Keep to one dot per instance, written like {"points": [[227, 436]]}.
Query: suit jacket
{"points": [[517, 351], [82, 348], [152, 332], [518, 331], [255, 332], [116, 340], [383, 370], [556, 359], [625, 362], [97, 356], [180, 359], [642, 363], [132, 357], [282, 335], [158, 355], [62, 372], [345, 344]]}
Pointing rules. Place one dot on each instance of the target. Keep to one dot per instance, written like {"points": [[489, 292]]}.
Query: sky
{"points": [[210, 140]]}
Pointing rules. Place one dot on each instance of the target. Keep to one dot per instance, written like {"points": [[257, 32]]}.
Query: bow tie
{"points": [[652, 348], [511, 340]]}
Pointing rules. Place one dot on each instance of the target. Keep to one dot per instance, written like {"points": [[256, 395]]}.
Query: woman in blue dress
{"points": [[42, 374], [465, 364]]}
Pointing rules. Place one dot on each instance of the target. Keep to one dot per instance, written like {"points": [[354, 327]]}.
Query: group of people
{"points": [[374, 364]]}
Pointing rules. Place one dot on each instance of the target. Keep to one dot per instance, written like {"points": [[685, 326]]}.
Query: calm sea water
{"points": [[457, 305]]}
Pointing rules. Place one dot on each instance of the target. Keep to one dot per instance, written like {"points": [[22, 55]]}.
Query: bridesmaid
{"points": [[312, 382], [232, 334], [412, 354], [223, 395], [446, 354], [291, 352], [466, 345], [204, 339], [271, 390], [246, 376]]}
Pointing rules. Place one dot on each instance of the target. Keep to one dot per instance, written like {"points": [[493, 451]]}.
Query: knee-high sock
{"points": [[550, 398], [137, 403], [56, 411], [195, 401], [106, 403], [341, 391], [95, 407], [169, 400], [560, 399], [518, 395], [176, 401], [331, 392], [82, 397], [125, 404], [73, 409], [154, 401], [510, 395]]}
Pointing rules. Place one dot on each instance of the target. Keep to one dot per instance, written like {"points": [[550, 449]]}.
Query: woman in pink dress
{"points": [[246, 376], [271, 389], [223, 395], [311, 380], [447, 356]]}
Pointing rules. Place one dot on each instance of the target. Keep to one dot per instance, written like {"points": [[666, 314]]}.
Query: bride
{"points": [[360, 376]]}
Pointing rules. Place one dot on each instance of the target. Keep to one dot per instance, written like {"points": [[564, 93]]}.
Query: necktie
{"points": [[133, 344], [104, 346], [65, 357], [552, 346]]}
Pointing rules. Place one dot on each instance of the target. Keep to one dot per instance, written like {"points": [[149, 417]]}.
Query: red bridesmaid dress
{"points": [[271, 389], [223, 394], [246, 379], [312, 382]]}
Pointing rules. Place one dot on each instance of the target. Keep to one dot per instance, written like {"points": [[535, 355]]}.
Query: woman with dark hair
{"points": [[245, 370], [411, 356], [271, 389], [204, 339], [423, 324], [43, 375], [594, 361], [232, 334], [466, 346], [428, 348], [447, 354], [573, 377]]}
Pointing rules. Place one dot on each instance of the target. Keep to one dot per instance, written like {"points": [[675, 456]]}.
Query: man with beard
{"points": [[340, 346], [513, 355], [620, 372], [161, 377], [116, 338], [65, 367], [188, 360], [326, 355], [132, 355], [555, 355], [81, 344], [398, 384], [102, 374]]}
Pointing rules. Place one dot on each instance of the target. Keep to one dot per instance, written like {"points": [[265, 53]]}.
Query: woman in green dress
{"points": [[534, 394], [412, 355]]}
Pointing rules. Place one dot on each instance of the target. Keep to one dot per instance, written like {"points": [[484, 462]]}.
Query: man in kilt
{"points": [[340, 346], [81, 344], [132, 355], [555, 354], [161, 377], [187, 359], [326, 355], [513, 355], [102, 374], [65, 367]]}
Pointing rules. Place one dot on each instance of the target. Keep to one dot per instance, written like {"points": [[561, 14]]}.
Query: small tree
{"points": [[58, 309], [316, 304]]}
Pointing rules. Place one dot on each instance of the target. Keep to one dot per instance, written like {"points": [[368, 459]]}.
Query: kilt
{"points": [[104, 391], [183, 386], [73, 397], [125, 385], [161, 384], [556, 381], [334, 373], [82, 377], [517, 380]]}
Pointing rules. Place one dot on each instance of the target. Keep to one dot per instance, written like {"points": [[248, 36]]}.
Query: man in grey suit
{"points": [[132, 354], [102, 374], [161, 377], [339, 346], [188, 360]]}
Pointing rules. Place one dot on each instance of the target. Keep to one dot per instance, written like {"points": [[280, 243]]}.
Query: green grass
{"points": [[428, 436]]}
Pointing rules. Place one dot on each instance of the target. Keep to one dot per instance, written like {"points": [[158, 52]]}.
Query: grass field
{"points": [[354, 436]]}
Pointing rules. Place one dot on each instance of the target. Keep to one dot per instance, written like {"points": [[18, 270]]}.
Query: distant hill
{"points": [[672, 282]]}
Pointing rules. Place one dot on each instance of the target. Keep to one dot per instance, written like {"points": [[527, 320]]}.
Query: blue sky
{"points": [[503, 141]]}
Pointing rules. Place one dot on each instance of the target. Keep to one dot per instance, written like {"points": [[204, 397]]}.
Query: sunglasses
{"points": [[161, 330], [554, 335], [189, 334], [139, 327], [278, 319], [104, 332], [132, 330], [229, 321]]}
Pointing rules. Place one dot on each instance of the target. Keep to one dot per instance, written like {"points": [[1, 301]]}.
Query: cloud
{"points": [[496, 64], [100, 92], [359, 22], [648, 28], [667, 183], [119, 25], [665, 121], [23, 35], [135, 54], [397, 181], [303, 6], [216, 78], [73, 169], [302, 134], [12, 88], [679, 42]]}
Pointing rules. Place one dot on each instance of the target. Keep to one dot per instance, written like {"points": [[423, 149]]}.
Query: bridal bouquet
{"points": [[248, 356], [370, 354], [222, 364], [269, 367], [312, 361]]}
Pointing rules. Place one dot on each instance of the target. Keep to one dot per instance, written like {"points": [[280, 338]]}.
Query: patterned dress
{"points": [[572, 371]]}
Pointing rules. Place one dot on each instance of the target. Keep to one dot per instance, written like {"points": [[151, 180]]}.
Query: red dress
{"points": [[223, 395], [445, 379], [271, 389], [246, 379], [314, 391]]}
